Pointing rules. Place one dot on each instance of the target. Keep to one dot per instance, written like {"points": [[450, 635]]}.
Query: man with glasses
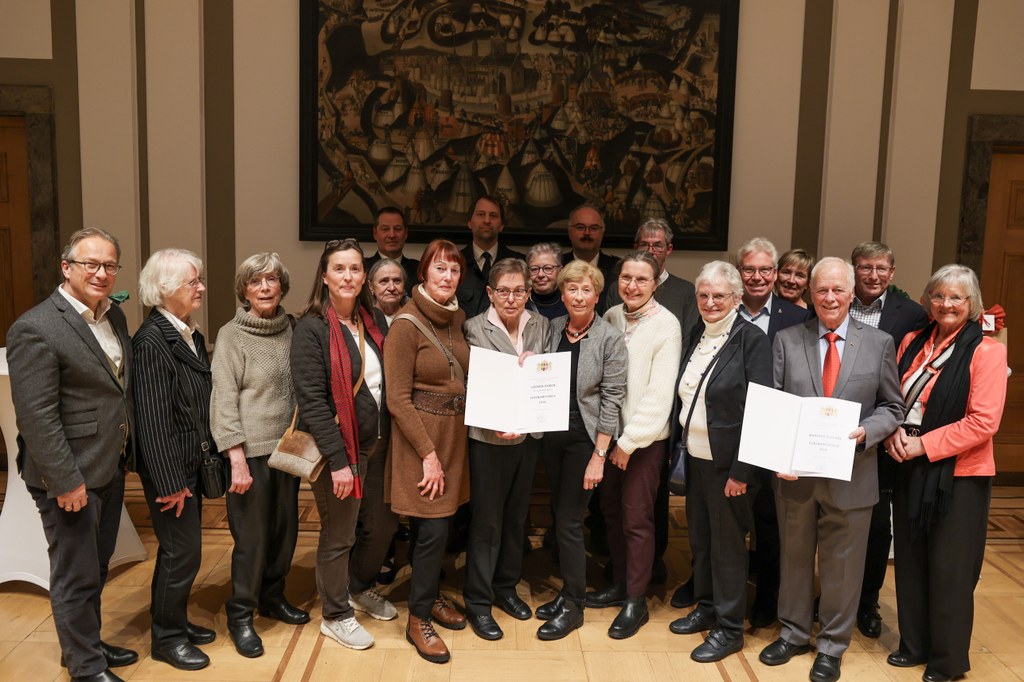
{"points": [[485, 223], [586, 232], [877, 303], [70, 361], [390, 234]]}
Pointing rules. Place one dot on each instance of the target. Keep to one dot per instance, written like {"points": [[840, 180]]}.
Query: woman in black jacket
{"points": [[725, 354], [338, 372]]}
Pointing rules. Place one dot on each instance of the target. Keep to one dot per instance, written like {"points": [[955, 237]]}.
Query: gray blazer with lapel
{"points": [[600, 376], [868, 376], [72, 412], [481, 332]]}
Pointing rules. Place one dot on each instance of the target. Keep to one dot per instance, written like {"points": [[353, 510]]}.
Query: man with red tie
{"points": [[832, 356]]}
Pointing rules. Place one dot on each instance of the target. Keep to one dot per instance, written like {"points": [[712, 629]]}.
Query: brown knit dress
{"points": [[413, 362]]}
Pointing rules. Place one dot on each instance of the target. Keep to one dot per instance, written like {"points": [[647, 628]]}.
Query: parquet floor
{"points": [[29, 650]]}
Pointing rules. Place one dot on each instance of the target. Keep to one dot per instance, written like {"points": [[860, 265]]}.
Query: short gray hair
{"points": [[509, 266], [756, 245], [720, 270], [655, 225], [257, 264], [382, 263], [550, 248], [958, 275], [872, 250], [832, 261], [164, 273], [85, 233]]}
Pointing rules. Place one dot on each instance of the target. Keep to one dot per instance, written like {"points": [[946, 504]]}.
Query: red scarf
{"points": [[341, 387]]}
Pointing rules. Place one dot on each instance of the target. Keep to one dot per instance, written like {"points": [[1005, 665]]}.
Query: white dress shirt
{"points": [[99, 325]]}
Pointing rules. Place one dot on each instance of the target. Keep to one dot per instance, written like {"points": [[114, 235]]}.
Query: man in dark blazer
{"points": [[70, 360], [586, 232], [390, 234], [877, 303], [825, 516], [485, 222]]}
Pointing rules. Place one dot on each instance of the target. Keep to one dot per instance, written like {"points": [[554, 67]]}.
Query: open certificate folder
{"points": [[503, 396], [800, 436]]}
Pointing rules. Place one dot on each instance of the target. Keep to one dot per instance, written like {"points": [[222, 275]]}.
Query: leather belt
{"points": [[444, 404]]}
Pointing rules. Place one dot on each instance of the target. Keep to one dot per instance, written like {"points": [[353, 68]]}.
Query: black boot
{"points": [[243, 634], [613, 595], [632, 616], [567, 620]]}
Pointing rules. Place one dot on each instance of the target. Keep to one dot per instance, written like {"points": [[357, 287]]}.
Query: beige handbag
{"points": [[297, 454]]}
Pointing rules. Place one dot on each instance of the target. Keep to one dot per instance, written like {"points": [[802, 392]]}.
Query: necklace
{"points": [[449, 355], [575, 335]]}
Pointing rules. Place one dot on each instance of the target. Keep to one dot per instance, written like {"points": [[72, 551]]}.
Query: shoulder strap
{"points": [[696, 393], [452, 360]]}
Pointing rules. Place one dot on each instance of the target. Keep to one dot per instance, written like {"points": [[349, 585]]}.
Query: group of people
{"points": [[375, 368]]}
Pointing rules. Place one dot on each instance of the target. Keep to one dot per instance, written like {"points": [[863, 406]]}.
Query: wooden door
{"points": [[1002, 272], [15, 238]]}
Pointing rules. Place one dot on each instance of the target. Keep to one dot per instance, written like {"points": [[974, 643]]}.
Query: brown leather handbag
{"points": [[297, 454]]}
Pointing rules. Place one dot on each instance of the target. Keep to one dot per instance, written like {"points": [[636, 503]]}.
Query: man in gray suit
{"points": [[832, 356], [70, 365]]}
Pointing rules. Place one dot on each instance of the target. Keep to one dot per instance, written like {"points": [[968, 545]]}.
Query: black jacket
{"points": [[472, 291], [784, 315]]}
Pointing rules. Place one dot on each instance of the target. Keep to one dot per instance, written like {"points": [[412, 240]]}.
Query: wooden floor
{"points": [[29, 649]]}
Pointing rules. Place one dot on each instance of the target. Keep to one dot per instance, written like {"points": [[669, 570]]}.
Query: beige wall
{"points": [[25, 29], [998, 48]]}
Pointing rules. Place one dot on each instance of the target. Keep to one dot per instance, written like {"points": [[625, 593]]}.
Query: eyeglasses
{"points": [[518, 293], [955, 301], [639, 281], [718, 299], [257, 282], [882, 270], [92, 267], [653, 247], [546, 269], [196, 283], [581, 227], [748, 271], [335, 243]]}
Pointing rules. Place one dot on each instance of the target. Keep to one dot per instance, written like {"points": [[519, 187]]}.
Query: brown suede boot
{"points": [[445, 614], [428, 643]]}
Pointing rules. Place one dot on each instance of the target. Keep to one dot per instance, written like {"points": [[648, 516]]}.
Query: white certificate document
{"points": [[503, 396], [800, 436]]}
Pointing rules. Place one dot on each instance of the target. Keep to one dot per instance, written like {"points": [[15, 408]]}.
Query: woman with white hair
{"points": [[172, 383], [954, 385], [251, 406], [725, 354]]}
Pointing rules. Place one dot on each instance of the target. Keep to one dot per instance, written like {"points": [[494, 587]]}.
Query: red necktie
{"points": [[830, 372]]}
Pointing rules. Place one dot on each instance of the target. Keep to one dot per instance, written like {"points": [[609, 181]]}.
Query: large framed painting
{"points": [[426, 105]]}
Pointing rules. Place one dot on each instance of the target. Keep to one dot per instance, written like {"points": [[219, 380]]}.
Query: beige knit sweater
{"points": [[252, 401]]}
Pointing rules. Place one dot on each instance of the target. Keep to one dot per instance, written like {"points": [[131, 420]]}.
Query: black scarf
{"points": [[930, 484]]}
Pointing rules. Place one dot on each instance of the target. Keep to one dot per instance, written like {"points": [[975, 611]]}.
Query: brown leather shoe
{"points": [[446, 616], [429, 645]]}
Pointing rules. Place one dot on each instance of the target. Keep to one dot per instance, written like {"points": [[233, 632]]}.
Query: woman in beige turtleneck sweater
{"points": [[728, 353]]}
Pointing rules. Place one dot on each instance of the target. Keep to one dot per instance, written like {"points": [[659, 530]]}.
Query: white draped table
{"points": [[23, 554]]}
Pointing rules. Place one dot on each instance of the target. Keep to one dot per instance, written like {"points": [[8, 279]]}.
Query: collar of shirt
{"points": [[186, 330], [877, 304], [478, 254], [84, 310], [766, 309], [841, 330], [663, 276]]}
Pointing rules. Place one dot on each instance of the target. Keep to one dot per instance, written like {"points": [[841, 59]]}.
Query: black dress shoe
{"points": [[717, 645], [183, 657], [197, 634], [613, 595], [630, 619], [117, 657], [825, 668], [105, 676], [683, 596], [243, 634], [780, 651], [903, 660], [513, 606], [567, 620], [551, 609], [485, 627], [869, 622], [933, 676], [283, 611], [692, 623]]}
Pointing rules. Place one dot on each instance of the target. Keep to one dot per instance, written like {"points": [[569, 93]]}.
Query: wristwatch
{"points": [[600, 453]]}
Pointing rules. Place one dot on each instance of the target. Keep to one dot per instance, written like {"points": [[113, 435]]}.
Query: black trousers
{"points": [[936, 572], [718, 528], [876, 562], [566, 454], [376, 526], [428, 537], [80, 545], [264, 523], [178, 558], [501, 477], [765, 560]]}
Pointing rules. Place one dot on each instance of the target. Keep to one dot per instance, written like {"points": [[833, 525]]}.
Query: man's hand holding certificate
{"points": [[799, 436], [505, 397]]}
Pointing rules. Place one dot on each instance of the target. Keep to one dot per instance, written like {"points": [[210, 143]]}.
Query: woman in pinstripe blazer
{"points": [[171, 363]]}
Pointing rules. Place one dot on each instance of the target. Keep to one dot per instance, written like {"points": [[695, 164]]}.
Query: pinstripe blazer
{"points": [[600, 376], [167, 445]]}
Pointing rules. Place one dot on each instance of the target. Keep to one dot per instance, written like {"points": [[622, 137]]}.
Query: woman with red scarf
{"points": [[337, 369]]}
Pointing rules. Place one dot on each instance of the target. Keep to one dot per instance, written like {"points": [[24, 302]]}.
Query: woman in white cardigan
{"points": [[654, 342]]}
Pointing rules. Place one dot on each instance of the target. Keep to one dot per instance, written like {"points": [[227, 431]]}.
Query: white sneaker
{"points": [[347, 632], [373, 604]]}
